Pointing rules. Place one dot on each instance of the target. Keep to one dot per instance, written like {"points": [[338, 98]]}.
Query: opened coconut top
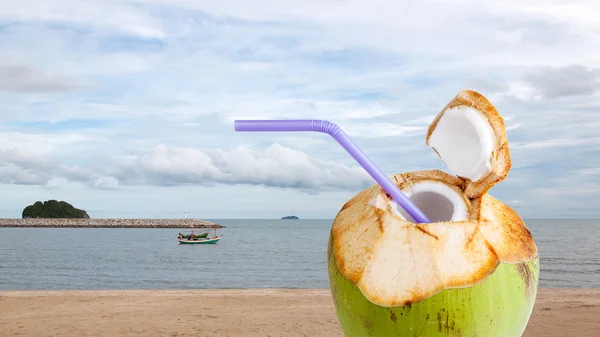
{"points": [[395, 261], [470, 137]]}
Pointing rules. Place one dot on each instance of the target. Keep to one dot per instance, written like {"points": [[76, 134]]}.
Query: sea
{"points": [[251, 254]]}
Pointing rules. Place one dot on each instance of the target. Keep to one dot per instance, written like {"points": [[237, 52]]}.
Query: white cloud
{"points": [[579, 13], [557, 143], [277, 166], [39, 144], [306, 142], [523, 91], [381, 130], [581, 191], [257, 108], [13, 174], [18, 78], [145, 93], [110, 15], [589, 171], [570, 80]]}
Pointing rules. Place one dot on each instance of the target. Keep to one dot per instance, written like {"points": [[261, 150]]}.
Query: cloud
{"points": [[277, 166], [115, 97], [17, 143], [24, 167], [581, 191], [311, 109], [108, 15], [564, 81], [19, 78], [523, 90], [557, 143], [13, 174], [546, 82], [589, 171], [381, 130]]}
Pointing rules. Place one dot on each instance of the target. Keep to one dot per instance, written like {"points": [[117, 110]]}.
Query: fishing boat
{"points": [[197, 236], [194, 239], [205, 241]]}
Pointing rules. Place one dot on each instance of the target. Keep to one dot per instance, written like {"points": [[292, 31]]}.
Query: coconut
{"points": [[472, 271]]}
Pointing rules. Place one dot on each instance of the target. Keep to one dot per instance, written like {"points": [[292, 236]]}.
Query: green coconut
{"points": [[473, 271]]}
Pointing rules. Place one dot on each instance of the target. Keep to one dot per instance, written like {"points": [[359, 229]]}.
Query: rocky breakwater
{"points": [[108, 223]]}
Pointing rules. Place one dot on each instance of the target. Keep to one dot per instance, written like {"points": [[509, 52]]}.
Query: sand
{"points": [[558, 312]]}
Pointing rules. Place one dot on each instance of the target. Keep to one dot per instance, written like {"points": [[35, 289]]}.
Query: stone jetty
{"points": [[108, 223]]}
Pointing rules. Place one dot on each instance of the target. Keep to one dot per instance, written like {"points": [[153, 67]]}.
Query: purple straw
{"points": [[336, 132]]}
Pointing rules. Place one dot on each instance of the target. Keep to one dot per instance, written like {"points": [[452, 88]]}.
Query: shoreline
{"points": [[107, 223], [272, 312], [223, 291]]}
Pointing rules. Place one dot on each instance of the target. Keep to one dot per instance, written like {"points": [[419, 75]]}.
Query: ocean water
{"points": [[251, 254]]}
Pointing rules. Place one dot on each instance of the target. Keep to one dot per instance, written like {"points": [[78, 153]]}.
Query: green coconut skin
{"points": [[499, 305]]}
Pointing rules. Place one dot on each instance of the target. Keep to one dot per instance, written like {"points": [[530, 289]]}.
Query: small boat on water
{"points": [[197, 236], [198, 239], [204, 241]]}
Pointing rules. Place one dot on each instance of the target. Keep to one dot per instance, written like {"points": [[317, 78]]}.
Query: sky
{"points": [[126, 108]]}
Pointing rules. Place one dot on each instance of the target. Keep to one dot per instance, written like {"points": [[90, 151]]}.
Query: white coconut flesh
{"points": [[438, 201], [465, 141]]}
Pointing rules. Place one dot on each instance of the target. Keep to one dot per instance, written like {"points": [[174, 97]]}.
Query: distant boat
{"points": [[201, 238], [291, 217]]}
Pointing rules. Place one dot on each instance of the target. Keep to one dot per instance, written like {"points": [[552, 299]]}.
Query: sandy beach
{"points": [[268, 312]]}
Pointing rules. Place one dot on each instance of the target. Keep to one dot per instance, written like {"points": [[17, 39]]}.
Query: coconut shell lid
{"points": [[469, 135]]}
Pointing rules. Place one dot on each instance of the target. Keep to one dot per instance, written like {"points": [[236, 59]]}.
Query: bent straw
{"points": [[336, 132]]}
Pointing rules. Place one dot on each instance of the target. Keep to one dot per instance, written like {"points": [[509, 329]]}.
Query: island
{"points": [[53, 209], [290, 217]]}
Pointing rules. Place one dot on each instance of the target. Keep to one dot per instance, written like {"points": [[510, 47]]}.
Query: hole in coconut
{"points": [[436, 206], [438, 201], [464, 140]]}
